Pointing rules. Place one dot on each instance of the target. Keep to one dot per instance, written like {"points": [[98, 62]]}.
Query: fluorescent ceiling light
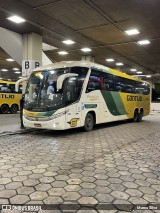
{"points": [[143, 42], [148, 76], [62, 53], [132, 32], [4, 70], [68, 42], [9, 59], [17, 72], [119, 64], [139, 72], [133, 70], [86, 49], [15, 69], [16, 19], [110, 59]]}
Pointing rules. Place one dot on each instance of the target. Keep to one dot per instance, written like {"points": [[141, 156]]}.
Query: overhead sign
{"points": [[28, 66]]}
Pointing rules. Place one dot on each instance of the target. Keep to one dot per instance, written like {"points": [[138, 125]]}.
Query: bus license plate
{"points": [[37, 125]]}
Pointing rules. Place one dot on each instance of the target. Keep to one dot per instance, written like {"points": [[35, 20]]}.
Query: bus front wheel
{"points": [[14, 109], [4, 109], [89, 122]]}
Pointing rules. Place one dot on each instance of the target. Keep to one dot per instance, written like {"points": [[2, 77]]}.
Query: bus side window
{"points": [[12, 88], [140, 88], [20, 89], [147, 89], [5, 88], [128, 89], [120, 87], [108, 81], [94, 82], [71, 91]]}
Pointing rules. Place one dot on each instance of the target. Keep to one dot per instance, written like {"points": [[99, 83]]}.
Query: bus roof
{"points": [[86, 64]]}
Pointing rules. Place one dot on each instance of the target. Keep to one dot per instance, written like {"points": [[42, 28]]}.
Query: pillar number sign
{"points": [[28, 66]]}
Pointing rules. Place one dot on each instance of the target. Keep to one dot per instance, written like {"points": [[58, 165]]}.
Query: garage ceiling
{"points": [[98, 24]]}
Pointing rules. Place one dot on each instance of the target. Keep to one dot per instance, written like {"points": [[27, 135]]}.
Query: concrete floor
{"points": [[9, 122], [116, 164]]}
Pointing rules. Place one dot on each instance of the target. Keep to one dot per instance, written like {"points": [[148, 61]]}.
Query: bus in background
{"points": [[9, 98], [67, 95]]}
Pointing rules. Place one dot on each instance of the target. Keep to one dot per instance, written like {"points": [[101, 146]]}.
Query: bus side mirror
{"points": [[61, 78]]}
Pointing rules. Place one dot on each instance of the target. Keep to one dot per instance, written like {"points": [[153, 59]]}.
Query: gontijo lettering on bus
{"points": [[7, 96], [134, 98]]}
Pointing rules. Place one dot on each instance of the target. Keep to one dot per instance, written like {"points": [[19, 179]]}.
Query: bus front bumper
{"points": [[56, 124]]}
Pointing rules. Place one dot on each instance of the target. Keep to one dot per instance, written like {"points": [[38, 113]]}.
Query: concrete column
{"points": [[87, 58], [32, 53]]}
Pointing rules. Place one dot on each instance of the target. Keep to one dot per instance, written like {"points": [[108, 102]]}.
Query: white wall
{"points": [[155, 106], [45, 59]]}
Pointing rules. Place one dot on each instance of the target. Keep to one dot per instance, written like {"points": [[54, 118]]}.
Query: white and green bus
{"points": [[68, 94]]}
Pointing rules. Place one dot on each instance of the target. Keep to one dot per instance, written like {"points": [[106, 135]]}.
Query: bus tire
{"points": [[135, 118], [140, 116], [4, 109], [89, 122], [14, 109]]}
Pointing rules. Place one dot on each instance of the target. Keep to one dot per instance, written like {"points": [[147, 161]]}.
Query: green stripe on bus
{"points": [[114, 103], [49, 113], [87, 106], [119, 103]]}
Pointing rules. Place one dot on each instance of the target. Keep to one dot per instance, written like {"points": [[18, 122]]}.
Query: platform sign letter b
{"points": [[26, 65], [37, 64]]}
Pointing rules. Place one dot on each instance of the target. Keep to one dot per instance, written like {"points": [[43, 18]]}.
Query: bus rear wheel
{"points": [[135, 118], [140, 116], [14, 109], [4, 109], [89, 122]]}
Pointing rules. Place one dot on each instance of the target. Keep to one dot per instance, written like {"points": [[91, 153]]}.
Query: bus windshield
{"points": [[42, 93]]}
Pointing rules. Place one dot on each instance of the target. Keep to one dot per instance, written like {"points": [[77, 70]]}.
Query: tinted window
{"points": [[128, 85], [81, 71], [142, 88], [3, 87], [9, 88], [6, 88], [20, 89], [71, 91], [12, 88], [120, 85], [95, 81], [108, 81]]}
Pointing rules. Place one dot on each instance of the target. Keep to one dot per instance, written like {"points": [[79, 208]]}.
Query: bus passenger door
{"points": [[73, 115], [73, 107]]}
